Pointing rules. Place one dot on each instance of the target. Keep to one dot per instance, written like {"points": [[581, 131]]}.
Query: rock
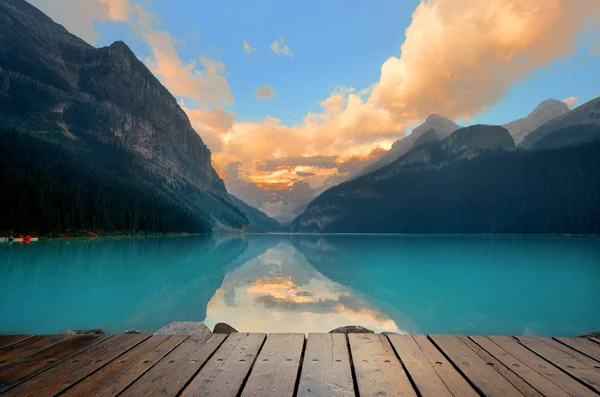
{"points": [[589, 335], [223, 328], [81, 332], [351, 329], [184, 328], [132, 331]]}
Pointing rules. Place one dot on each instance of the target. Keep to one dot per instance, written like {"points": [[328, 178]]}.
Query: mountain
{"points": [[586, 115], [104, 103], [465, 143], [474, 181], [544, 112], [569, 136], [441, 126], [259, 221]]}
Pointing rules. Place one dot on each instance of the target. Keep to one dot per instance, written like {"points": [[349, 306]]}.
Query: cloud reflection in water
{"points": [[280, 291]]}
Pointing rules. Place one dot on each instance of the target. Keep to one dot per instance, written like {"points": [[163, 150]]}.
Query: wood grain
{"points": [[530, 375], [542, 366], [225, 372], [275, 371], [28, 347], [8, 340], [115, 377], [326, 369], [25, 368], [378, 370], [572, 362], [69, 372], [486, 379], [420, 369]]}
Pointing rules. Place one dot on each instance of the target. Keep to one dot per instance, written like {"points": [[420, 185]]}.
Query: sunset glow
{"points": [[456, 58]]}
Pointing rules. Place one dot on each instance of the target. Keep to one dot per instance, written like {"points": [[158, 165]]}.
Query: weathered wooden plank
{"points": [[525, 388], [8, 340], [25, 368], [596, 340], [378, 370], [486, 379], [583, 346], [172, 385], [28, 347], [225, 372], [115, 377], [420, 369], [454, 380], [582, 358], [276, 369], [163, 369], [575, 353], [541, 366], [564, 359], [530, 375], [69, 372], [326, 370]]}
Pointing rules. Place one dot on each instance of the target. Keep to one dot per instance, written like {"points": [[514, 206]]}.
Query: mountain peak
{"points": [[544, 112], [550, 106], [119, 46], [442, 126], [434, 116]]}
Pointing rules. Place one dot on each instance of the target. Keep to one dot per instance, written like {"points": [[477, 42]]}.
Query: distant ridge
{"points": [[544, 112], [474, 181], [441, 127], [585, 114]]}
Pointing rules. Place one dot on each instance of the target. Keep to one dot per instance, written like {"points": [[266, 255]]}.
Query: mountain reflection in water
{"points": [[304, 283], [279, 291]]}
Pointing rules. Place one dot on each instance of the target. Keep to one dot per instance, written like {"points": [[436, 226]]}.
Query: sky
{"points": [[286, 80]]}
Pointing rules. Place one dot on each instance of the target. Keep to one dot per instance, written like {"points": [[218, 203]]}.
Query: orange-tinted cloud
{"points": [[571, 101], [118, 10], [264, 92], [203, 81], [458, 59], [460, 56]]}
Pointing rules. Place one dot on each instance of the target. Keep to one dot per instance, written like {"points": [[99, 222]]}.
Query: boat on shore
{"points": [[21, 239]]}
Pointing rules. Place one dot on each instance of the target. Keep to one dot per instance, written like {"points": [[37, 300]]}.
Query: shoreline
{"points": [[94, 235]]}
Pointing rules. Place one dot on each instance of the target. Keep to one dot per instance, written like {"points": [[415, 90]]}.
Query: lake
{"points": [[305, 283]]}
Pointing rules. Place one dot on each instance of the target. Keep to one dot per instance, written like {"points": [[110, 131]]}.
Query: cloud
{"points": [[570, 101], [203, 80], [265, 92], [279, 47], [248, 49], [118, 10], [76, 15], [271, 165], [459, 58], [206, 85]]}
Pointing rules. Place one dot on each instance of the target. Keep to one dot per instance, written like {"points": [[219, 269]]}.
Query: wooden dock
{"points": [[241, 364]]}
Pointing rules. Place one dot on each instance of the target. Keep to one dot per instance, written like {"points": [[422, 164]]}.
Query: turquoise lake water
{"points": [[305, 283]]}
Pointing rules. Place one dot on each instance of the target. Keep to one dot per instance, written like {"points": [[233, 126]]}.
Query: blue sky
{"points": [[334, 42], [474, 61], [330, 43]]}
